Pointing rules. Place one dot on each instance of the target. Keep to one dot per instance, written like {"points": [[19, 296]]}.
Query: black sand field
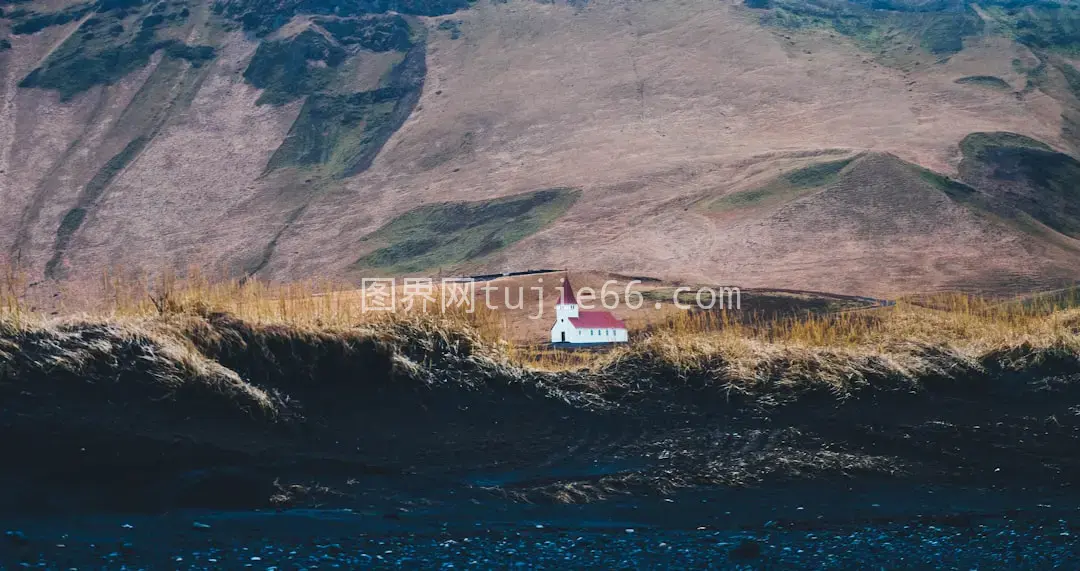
{"points": [[340, 459]]}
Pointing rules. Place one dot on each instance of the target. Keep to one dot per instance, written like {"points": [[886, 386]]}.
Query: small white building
{"points": [[575, 327]]}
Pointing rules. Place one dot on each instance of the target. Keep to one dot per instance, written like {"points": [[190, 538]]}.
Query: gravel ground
{"points": [[310, 541]]}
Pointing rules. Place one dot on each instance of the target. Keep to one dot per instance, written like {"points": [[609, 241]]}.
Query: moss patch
{"points": [[451, 233]]}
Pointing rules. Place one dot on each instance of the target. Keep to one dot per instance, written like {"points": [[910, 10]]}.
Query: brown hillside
{"points": [[649, 109]]}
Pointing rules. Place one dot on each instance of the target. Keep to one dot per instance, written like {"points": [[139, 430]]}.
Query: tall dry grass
{"points": [[917, 338], [964, 326], [308, 304]]}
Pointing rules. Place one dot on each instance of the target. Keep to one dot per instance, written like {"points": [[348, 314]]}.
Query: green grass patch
{"points": [[1040, 24], [336, 130], [978, 145], [450, 233], [881, 26], [110, 45], [988, 81], [376, 33], [295, 67], [340, 131], [33, 22], [1072, 78], [784, 188], [310, 62], [262, 17], [817, 175]]}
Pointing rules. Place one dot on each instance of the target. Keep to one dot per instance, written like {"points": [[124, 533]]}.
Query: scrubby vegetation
{"points": [[939, 27], [311, 61], [817, 175], [982, 146], [378, 33], [451, 233], [452, 26]]}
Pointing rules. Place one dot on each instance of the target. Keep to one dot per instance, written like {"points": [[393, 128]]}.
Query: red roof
{"points": [[597, 320], [567, 295]]}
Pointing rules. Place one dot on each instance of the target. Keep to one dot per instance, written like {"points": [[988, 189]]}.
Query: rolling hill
{"points": [[865, 147]]}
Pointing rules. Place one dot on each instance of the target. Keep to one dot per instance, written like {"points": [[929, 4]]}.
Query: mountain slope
{"points": [[279, 138]]}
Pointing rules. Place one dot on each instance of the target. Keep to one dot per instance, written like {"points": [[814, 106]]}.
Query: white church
{"points": [[576, 327]]}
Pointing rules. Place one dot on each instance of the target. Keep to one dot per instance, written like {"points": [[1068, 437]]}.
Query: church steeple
{"points": [[567, 306], [567, 295]]}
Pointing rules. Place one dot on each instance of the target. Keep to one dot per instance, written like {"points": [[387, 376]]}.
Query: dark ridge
{"points": [[268, 252], [1023, 175]]}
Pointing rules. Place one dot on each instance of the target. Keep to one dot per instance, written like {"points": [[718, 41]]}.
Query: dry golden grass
{"points": [[940, 335]]}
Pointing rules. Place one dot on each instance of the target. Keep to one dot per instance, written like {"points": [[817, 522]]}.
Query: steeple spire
{"points": [[567, 295]]}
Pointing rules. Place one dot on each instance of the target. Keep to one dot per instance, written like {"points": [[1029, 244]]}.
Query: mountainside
{"points": [[869, 147]]}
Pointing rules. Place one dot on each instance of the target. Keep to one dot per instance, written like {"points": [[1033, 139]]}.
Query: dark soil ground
{"points": [[474, 465]]}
